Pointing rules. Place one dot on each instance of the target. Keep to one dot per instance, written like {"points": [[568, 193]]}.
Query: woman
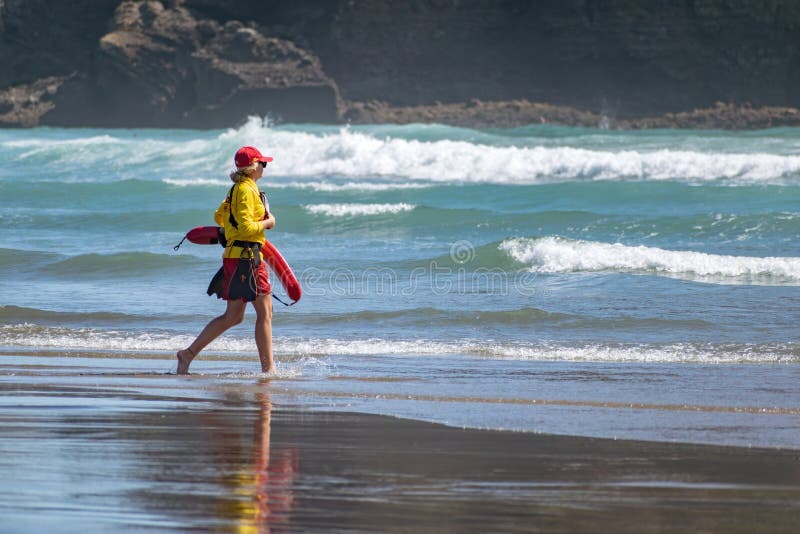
{"points": [[243, 277]]}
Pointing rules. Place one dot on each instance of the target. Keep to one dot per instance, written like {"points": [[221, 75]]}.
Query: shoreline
{"points": [[27, 107]]}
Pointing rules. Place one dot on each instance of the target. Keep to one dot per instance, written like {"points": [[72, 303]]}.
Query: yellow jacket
{"points": [[248, 211]]}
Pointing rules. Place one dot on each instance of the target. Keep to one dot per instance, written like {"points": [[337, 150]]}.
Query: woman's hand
{"points": [[269, 222]]}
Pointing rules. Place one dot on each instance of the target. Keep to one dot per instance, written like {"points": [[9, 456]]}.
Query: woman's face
{"points": [[259, 172]]}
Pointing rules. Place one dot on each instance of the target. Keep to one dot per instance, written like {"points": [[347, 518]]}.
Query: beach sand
{"points": [[82, 453]]}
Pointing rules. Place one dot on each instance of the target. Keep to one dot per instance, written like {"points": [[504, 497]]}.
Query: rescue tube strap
{"points": [[176, 247], [255, 260], [276, 297], [231, 218]]}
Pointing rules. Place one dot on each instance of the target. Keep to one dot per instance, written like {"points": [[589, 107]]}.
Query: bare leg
{"points": [[234, 314], [263, 307]]}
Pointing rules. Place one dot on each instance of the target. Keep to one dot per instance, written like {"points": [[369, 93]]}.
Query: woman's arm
{"points": [[247, 210], [221, 215]]}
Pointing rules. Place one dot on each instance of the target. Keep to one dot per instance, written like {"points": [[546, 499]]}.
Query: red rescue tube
{"points": [[205, 235], [282, 269], [211, 235]]}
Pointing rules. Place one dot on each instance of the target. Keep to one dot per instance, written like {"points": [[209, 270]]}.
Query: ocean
{"points": [[629, 284]]}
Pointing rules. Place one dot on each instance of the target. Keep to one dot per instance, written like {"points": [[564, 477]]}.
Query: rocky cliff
{"points": [[209, 63]]}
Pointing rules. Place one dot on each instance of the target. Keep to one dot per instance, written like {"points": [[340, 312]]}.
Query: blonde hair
{"points": [[242, 172]]}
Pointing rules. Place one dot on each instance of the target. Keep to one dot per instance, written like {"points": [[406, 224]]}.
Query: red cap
{"points": [[247, 155]]}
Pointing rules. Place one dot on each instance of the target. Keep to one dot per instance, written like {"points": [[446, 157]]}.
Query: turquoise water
{"points": [[439, 265]]}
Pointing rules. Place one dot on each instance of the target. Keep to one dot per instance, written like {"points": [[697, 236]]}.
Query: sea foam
{"points": [[109, 342], [559, 255]]}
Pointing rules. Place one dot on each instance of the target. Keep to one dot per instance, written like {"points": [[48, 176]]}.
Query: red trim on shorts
{"points": [[229, 269]]}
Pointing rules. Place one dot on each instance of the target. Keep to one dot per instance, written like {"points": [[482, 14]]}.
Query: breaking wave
{"points": [[559, 255], [358, 153]]}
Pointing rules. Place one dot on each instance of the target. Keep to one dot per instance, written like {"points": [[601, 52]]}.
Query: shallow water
{"points": [[742, 404]]}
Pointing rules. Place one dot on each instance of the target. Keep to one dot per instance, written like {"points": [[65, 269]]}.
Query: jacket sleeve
{"points": [[246, 211], [221, 215]]}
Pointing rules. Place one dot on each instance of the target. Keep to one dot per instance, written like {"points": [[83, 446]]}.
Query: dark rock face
{"points": [[160, 66], [40, 38], [24, 105], [209, 63], [624, 58]]}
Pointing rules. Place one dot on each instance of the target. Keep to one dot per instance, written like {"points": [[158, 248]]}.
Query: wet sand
{"points": [[168, 456]]}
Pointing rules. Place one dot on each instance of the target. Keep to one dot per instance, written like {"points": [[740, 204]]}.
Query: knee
{"points": [[232, 319], [264, 310], [264, 316]]}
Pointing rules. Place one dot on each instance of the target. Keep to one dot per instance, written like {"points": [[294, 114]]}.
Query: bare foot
{"points": [[271, 370], [185, 357]]}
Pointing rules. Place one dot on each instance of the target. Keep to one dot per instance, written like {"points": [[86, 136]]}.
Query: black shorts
{"points": [[240, 279]]}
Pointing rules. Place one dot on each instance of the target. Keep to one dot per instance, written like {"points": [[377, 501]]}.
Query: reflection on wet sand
{"points": [[86, 457], [268, 482], [255, 477]]}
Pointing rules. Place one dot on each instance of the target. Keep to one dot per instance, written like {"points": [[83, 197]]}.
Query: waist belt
{"points": [[254, 248], [246, 244]]}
